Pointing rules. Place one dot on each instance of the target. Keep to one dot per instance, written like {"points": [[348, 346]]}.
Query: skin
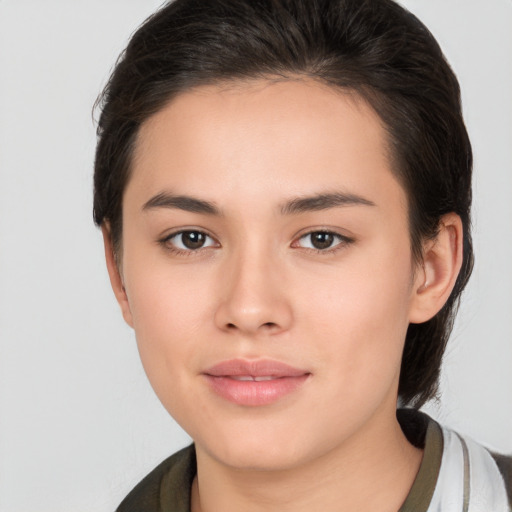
{"points": [[259, 289]]}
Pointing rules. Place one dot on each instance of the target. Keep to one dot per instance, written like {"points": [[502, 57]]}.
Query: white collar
{"points": [[469, 479]]}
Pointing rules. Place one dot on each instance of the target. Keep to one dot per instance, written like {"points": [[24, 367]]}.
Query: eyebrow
{"points": [[323, 202], [316, 202], [186, 203]]}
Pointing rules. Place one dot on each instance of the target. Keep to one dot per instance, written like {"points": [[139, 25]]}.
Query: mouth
{"points": [[255, 379], [254, 383]]}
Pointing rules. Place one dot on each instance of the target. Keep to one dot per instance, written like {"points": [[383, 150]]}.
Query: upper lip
{"points": [[255, 368]]}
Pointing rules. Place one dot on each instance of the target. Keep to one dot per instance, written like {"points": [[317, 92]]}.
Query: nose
{"points": [[254, 298]]}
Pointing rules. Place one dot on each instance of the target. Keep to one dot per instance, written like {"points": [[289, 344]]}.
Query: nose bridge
{"points": [[254, 298]]}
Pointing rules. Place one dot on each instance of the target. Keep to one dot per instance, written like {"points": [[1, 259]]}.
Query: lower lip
{"points": [[255, 393]]}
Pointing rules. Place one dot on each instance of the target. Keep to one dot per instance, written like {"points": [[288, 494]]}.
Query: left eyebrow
{"points": [[323, 202]]}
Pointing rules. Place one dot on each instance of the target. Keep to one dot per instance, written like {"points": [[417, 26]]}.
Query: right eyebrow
{"points": [[186, 203]]}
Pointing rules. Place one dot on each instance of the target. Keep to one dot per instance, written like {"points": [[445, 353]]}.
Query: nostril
{"points": [[266, 325]]}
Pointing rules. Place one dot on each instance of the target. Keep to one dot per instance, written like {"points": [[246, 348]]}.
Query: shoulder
{"points": [[484, 477], [455, 471], [168, 485], [504, 463]]}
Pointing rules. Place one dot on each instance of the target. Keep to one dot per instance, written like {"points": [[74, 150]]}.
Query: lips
{"points": [[254, 383]]}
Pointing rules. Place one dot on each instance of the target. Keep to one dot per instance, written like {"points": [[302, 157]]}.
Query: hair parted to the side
{"points": [[373, 47]]}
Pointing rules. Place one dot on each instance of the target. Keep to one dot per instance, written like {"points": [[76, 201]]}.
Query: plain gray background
{"points": [[79, 424]]}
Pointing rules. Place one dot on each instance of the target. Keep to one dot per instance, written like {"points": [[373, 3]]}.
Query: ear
{"points": [[114, 273], [435, 279]]}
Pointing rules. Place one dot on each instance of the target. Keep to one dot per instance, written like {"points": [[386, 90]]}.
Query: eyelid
{"points": [[343, 240], [166, 241]]}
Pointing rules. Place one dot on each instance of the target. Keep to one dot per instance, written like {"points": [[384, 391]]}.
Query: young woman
{"points": [[284, 189]]}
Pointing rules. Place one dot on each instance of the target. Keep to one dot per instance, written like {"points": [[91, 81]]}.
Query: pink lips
{"points": [[254, 383]]}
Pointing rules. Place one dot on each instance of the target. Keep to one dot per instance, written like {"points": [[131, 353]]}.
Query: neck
{"points": [[374, 470]]}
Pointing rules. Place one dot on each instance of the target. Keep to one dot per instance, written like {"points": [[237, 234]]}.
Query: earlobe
{"points": [[442, 260], [114, 273]]}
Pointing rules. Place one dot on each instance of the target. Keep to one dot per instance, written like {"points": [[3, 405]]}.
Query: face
{"points": [[267, 269]]}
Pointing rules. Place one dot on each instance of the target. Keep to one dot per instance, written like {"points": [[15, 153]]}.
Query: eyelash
{"points": [[343, 241], [166, 242]]}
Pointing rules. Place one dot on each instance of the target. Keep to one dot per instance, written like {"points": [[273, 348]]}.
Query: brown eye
{"points": [[193, 239], [322, 240], [190, 240]]}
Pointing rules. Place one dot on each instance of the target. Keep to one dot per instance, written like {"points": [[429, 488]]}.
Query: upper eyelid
{"points": [[328, 231], [166, 241], [342, 241], [173, 233], [331, 231]]}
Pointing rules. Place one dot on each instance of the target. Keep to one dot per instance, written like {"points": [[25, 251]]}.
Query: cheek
{"points": [[170, 311], [359, 318], [164, 309], [164, 297]]}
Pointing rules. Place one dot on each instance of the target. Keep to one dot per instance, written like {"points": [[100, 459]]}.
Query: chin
{"points": [[260, 457], [259, 447]]}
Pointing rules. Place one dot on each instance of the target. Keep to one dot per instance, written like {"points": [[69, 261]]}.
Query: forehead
{"points": [[293, 135]]}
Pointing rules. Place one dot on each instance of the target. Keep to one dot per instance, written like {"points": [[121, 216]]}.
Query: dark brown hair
{"points": [[373, 47]]}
